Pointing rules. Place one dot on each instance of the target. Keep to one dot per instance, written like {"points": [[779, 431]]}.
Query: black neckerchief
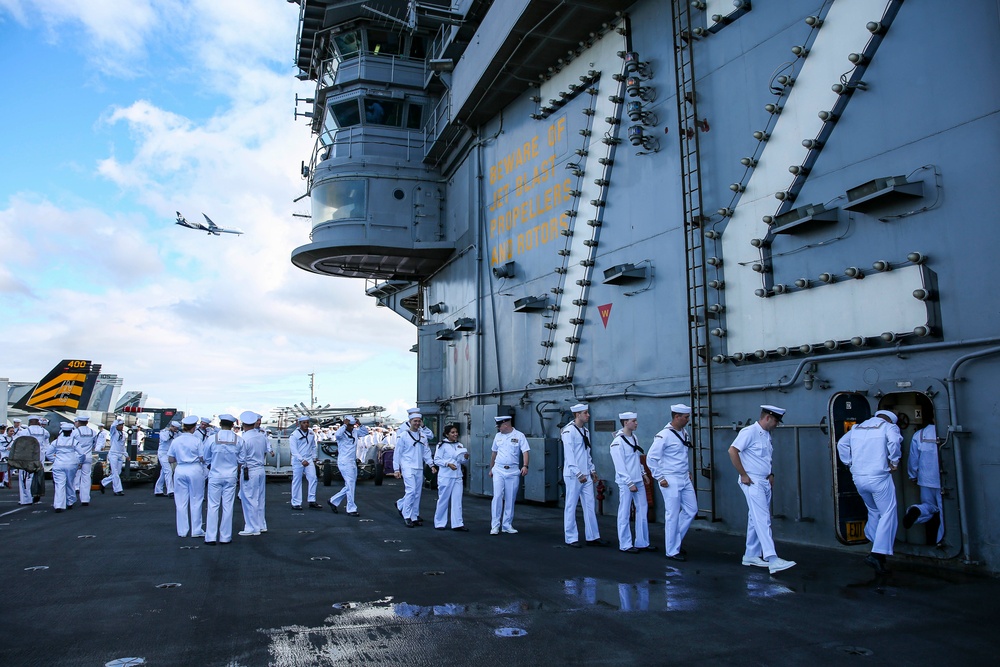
{"points": [[415, 440], [586, 440], [683, 440], [634, 445]]}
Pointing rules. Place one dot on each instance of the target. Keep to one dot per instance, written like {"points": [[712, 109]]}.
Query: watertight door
{"points": [[850, 513]]}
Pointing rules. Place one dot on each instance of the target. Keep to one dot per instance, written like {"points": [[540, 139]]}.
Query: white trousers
{"points": [[584, 494], [165, 482], [930, 504], [505, 484], [114, 478], [350, 474], [24, 479], [189, 496], [221, 495], [298, 471], [413, 485], [62, 487], [82, 480], [680, 505], [879, 494], [759, 540], [449, 496], [626, 499], [252, 499]]}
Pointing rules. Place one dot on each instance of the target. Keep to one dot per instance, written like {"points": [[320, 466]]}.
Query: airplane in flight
{"points": [[207, 226]]}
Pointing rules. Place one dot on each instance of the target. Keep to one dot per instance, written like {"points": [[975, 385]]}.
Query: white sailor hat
{"points": [[190, 420], [33, 418], [411, 411], [175, 424], [249, 417], [65, 426], [205, 420], [226, 417], [349, 419], [774, 410], [414, 415], [15, 420], [303, 418], [502, 418], [680, 408], [891, 415], [628, 415], [43, 420], [82, 417], [579, 407]]}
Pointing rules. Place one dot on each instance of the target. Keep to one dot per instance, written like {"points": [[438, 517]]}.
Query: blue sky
{"points": [[116, 114]]}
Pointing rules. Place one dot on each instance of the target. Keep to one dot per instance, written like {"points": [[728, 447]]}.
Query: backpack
{"points": [[25, 454]]}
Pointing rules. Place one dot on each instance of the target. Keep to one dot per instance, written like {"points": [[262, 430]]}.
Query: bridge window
{"points": [[384, 43], [414, 116], [339, 200], [383, 112], [346, 114], [347, 43]]}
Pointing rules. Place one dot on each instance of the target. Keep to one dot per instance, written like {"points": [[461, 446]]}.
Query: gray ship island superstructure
{"points": [[721, 203]]}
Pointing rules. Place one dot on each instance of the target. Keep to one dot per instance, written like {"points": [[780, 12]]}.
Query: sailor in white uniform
{"points": [[508, 464], [750, 454], [116, 458], [579, 475], [89, 439], [254, 477], [412, 452], [668, 461], [924, 468], [395, 435], [165, 482], [38, 432], [347, 462], [185, 455], [625, 453], [302, 444], [225, 453], [872, 451], [66, 455], [449, 458], [6, 440]]}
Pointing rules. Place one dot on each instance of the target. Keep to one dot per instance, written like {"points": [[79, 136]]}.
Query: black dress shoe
{"points": [[440, 528], [418, 522], [85, 504], [632, 550], [910, 517], [400, 512], [69, 507], [119, 493], [57, 510], [598, 543], [159, 494], [170, 495], [226, 542], [575, 545], [315, 506], [353, 514], [334, 508], [678, 556], [297, 507], [462, 529], [102, 489], [211, 544], [877, 564], [649, 548], [409, 524]]}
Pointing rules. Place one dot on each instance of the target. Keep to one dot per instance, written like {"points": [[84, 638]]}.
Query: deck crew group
{"points": [[200, 462]]}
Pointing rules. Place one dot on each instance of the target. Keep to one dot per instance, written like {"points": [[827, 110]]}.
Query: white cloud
{"points": [[206, 324]]}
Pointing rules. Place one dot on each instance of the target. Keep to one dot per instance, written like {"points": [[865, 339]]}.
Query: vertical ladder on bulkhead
{"points": [[699, 356]]}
